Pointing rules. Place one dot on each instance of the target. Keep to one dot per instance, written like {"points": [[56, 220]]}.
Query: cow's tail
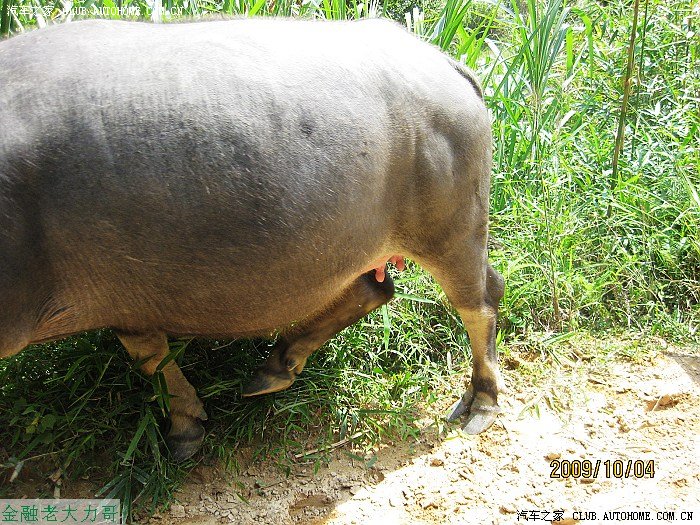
{"points": [[469, 75]]}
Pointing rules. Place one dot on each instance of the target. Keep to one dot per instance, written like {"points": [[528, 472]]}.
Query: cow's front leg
{"points": [[288, 357], [186, 410]]}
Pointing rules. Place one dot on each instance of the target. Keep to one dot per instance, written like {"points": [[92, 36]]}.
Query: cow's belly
{"points": [[197, 289]]}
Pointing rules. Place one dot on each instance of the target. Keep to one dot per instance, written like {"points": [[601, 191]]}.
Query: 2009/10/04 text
{"points": [[585, 468]]}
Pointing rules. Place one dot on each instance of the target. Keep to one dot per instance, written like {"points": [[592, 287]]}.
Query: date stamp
{"points": [[593, 469]]}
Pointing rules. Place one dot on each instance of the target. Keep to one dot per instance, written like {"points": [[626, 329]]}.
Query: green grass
{"points": [[595, 226]]}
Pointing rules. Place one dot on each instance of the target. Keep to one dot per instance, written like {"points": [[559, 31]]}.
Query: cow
{"points": [[236, 179]]}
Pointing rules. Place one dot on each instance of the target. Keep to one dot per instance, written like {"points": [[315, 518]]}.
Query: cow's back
{"points": [[173, 172]]}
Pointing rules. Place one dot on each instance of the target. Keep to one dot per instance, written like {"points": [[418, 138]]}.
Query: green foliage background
{"points": [[587, 238]]}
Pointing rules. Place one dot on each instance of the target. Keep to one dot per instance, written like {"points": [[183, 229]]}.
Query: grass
{"points": [[595, 226]]}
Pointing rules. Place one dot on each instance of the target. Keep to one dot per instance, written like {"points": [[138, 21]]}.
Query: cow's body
{"points": [[231, 179]]}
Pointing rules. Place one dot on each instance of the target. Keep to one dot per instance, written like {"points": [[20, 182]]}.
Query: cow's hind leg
{"points": [[288, 357], [186, 410], [474, 289]]}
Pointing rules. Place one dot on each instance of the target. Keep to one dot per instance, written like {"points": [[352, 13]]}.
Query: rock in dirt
{"points": [[430, 503], [664, 401], [177, 511]]}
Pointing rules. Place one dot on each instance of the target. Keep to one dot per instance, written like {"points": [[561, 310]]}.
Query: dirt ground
{"points": [[646, 412]]}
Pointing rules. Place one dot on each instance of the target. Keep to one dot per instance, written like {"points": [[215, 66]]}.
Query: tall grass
{"points": [[588, 236], [579, 246]]}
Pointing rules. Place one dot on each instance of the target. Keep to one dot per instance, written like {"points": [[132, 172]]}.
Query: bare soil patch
{"points": [[584, 408]]}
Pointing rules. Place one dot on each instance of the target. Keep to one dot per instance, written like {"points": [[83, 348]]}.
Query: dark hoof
{"points": [[264, 382], [481, 411], [183, 445]]}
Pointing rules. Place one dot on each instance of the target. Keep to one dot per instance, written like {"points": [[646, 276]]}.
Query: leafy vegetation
{"points": [[595, 225]]}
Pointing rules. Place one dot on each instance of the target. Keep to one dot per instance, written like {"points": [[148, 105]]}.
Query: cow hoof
{"points": [[481, 411], [183, 443], [264, 382], [480, 419], [461, 406]]}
